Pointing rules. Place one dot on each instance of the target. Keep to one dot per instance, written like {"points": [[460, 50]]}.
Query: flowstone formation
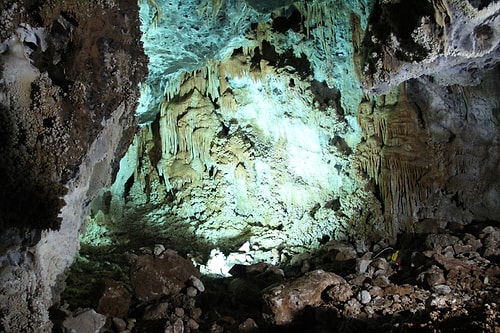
{"points": [[255, 147], [68, 91], [431, 144]]}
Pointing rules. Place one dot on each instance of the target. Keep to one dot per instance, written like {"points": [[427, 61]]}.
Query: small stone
{"points": [[362, 265], [440, 241], [434, 276], [216, 328], [191, 291], [158, 250], [196, 313], [381, 281], [248, 326], [474, 243], [195, 282], [442, 289], [342, 251], [364, 297], [179, 312], [245, 247], [192, 324], [87, 321], [380, 263], [131, 323], [299, 259], [178, 326], [461, 248], [352, 308], [119, 324]]}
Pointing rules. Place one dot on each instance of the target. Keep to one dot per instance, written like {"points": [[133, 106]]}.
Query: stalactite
{"points": [[319, 15], [396, 156], [157, 16]]}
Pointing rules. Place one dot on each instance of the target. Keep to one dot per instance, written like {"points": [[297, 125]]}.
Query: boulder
{"points": [[114, 299], [87, 321], [155, 277], [288, 299]]}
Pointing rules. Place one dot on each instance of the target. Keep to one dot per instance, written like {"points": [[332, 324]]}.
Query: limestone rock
{"points": [[491, 241], [69, 89], [248, 326], [364, 297], [155, 277], [88, 321], [290, 298]]}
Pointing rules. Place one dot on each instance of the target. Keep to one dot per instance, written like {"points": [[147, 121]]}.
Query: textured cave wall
{"points": [[430, 144], [455, 41], [268, 162], [68, 91], [256, 145], [215, 164], [432, 152]]}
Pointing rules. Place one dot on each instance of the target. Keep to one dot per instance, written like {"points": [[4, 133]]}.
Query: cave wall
{"points": [[69, 88], [287, 126], [432, 152], [405, 163], [255, 146], [430, 118], [269, 162]]}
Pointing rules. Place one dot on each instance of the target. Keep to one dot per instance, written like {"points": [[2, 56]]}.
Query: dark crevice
{"points": [[267, 52], [293, 21]]}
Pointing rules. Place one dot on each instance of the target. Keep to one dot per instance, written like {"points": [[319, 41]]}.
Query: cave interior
{"points": [[249, 166]]}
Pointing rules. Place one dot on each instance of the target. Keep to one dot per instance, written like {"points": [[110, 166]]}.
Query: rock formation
{"points": [[264, 131], [70, 74]]}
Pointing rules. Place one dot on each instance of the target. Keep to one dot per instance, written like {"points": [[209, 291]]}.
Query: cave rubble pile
{"points": [[433, 282]]}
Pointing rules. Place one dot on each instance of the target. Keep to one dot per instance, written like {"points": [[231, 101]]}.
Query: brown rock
{"points": [[380, 263], [339, 292], [248, 326], [342, 251], [376, 291], [381, 281], [196, 313], [114, 299], [119, 324], [440, 241], [192, 324], [284, 301], [433, 276], [155, 277], [491, 241], [156, 311]]}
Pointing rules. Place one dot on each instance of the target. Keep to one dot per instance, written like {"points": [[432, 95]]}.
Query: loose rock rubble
{"points": [[439, 282]]}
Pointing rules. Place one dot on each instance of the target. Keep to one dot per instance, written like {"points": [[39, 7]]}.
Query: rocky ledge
{"points": [[437, 282]]}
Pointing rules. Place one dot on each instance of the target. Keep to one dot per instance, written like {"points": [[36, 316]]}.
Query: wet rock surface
{"points": [[446, 282]]}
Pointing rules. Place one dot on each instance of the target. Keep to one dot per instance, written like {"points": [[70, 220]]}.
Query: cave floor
{"points": [[439, 282]]}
